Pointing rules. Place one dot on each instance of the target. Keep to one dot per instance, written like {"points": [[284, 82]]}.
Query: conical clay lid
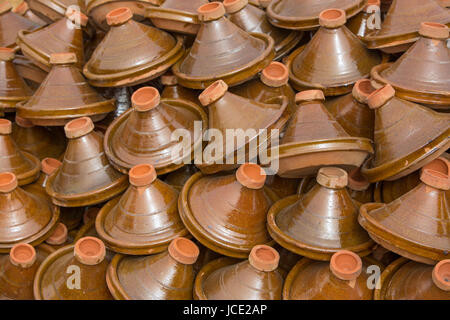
{"points": [[165, 276], [321, 222], [366, 20], [85, 176], [52, 10], [10, 25], [407, 136], [143, 134], [154, 51], [333, 60], [64, 95], [418, 222], [233, 55]]}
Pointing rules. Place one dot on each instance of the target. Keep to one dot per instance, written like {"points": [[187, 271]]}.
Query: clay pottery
{"points": [[59, 238], [272, 83], [29, 71], [165, 276], [143, 134], [112, 65], [343, 278], [178, 178], [63, 35], [313, 139], [172, 90], [320, 222], [333, 60], [367, 20], [23, 9], [252, 19], [415, 225], [85, 176], [282, 187], [407, 136], [257, 278], [233, 55], [421, 74], [52, 10], [410, 280], [13, 88], [176, 16], [288, 259], [305, 14], [401, 25], [10, 25], [227, 213], [260, 121], [352, 112], [64, 95], [86, 260], [24, 165], [18, 270], [25, 217]]}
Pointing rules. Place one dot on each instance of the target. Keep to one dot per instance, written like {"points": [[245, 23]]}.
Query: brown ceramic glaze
{"points": [[407, 136], [233, 55], [257, 278], [401, 25], [178, 178], [365, 21], [10, 25], [415, 225], [333, 60], [383, 255], [85, 176], [52, 10], [143, 134], [321, 222], [288, 259], [227, 213], [283, 187], [23, 9], [29, 71], [165, 276], [172, 90], [112, 65], [85, 261]]}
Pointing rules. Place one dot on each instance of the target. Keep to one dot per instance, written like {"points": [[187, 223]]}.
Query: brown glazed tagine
{"points": [[281, 186], [85, 176], [333, 60], [252, 19], [227, 213], [178, 178], [401, 25], [25, 217], [10, 25], [112, 65], [24, 165], [74, 272], [144, 133], [29, 71], [232, 54], [176, 16], [367, 20], [257, 278], [260, 121], [23, 9], [13, 89], [421, 74], [407, 136], [165, 276], [52, 10], [64, 35], [343, 278], [409, 280], [172, 90], [417, 224], [320, 222], [59, 238], [64, 95], [313, 139], [144, 219]]}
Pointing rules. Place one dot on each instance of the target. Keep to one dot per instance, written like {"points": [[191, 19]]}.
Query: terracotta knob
{"points": [[59, 236], [183, 250], [232, 6], [380, 96], [50, 165], [251, 175], [370, 4], [214, 92], [21, 8], [309, 95], [332, 177], [7, 54], [63, 58], [356, 181], [441, 275], [275, 75], [362, 90], [90, 214], [142, 175], [89, 250], [434, 30], [5, 126], [264, 3], [169, 79], [78, 127], [436, 174], [445, 3], [145, 99], [211, 11], [264, 258], [119, 16], [24, 123], [332, 18], [22, 255], [8, 182], [76, 17], [346, 265]]}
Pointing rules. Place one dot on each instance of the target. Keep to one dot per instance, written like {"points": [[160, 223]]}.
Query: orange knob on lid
{"points": [[142, 175], [50, 165], [5, 126], [59, 236], [264, 258], [309, 95], [78, 127], [380, 96], [76, 16], [370, 5], [362, 90], [441, 275], [434, 30], [89, 250], [346, 265], [63, 58], [275, 75], [232, 6], [8, 182], [119, 16], [22, 255], [332, 18], [7, 54], [21, 8], [332, 177], [145, 99], [436, 174], [211, 11], [169, 79], [183, 250], [251, 175], [213, 93]]}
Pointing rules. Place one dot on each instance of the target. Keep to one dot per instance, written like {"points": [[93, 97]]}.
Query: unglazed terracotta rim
{"points": [[142, 175], [183, 250], [169, 79], [211, 11], [76, 16], [78, 127], [59, 235], [89, 251], [362, 89], [63, 58], [341, 270], [145, 98], [372, 3], [441, 278], [332, 177], [264, 258], [5, 126], [119, 16], [251, 176], [22, 255], [213, 92], [380, 97], [7, 54], [50, 165], [434, 30], [232, 6], [275, 75], [21, 8], [309, 95], [332, 18], [434, 178]]}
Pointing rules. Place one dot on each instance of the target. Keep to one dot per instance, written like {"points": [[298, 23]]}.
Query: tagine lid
{"points": [[407, 136], [143, 133], [235, 56], [10, 25], [54, 9]]}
